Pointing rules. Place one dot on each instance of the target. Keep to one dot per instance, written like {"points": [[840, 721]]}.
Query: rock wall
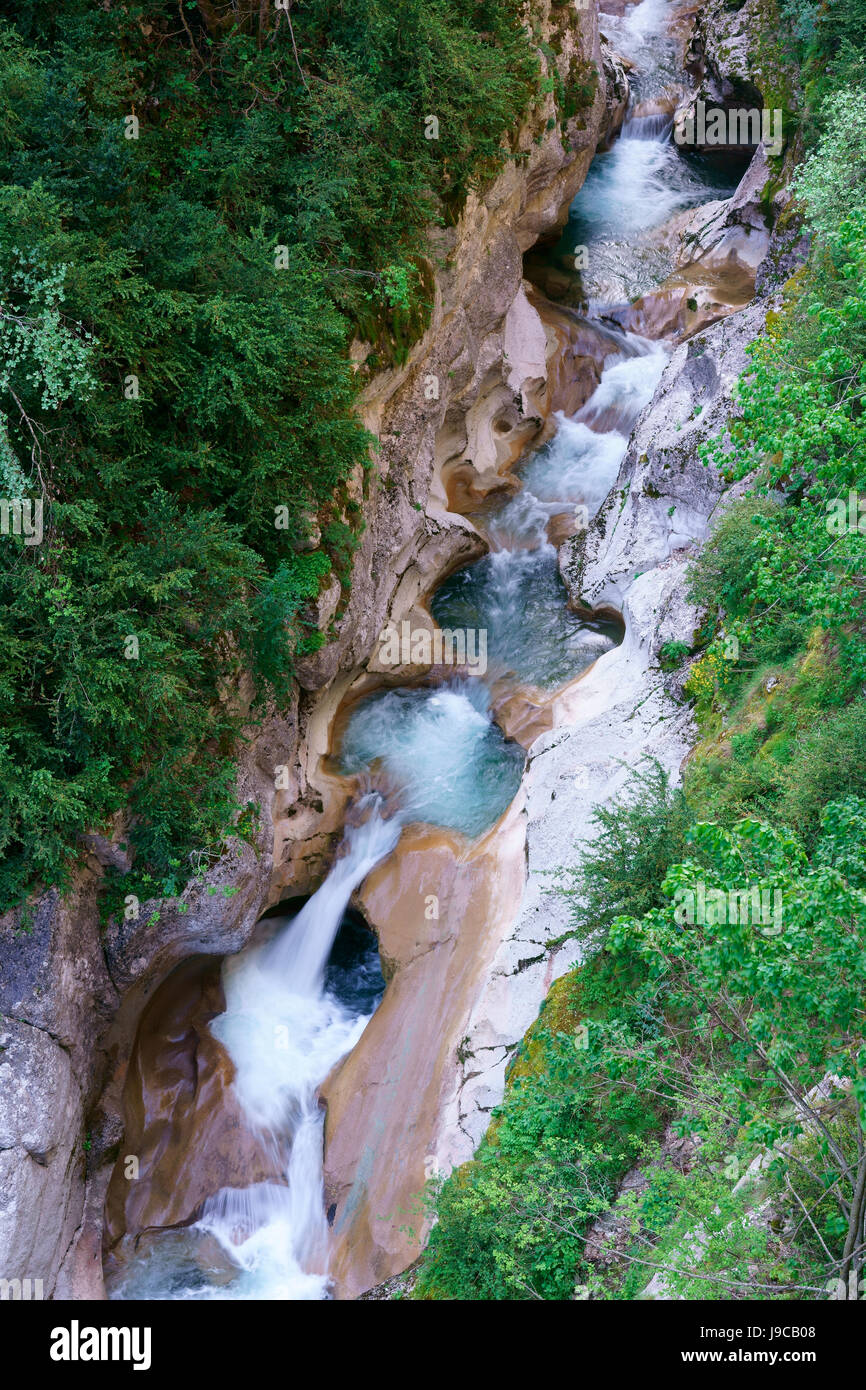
{"points": [[664, 496], [484, 360], [71, 996], [737, 64], [418, 1090]]}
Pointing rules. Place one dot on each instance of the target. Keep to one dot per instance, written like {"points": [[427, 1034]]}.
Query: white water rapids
{"points": [[438, 749], [580, 464], [515, 594], [284, 1033]]}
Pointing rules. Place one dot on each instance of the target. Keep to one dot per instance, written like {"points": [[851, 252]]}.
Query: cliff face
{"points": [[71, 996], [738, 64]]}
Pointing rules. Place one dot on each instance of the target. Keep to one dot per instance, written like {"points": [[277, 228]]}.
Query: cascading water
{"points": [[284, 1030], [515, 593], [643, 33], [440, 750], [619, 214], [580, 463], [436, 751], [636, 186]]}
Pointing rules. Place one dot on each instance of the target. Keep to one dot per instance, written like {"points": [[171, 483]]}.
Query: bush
{"points": [[512, 1224], [672, 655], [623, 867], [826, 761]]}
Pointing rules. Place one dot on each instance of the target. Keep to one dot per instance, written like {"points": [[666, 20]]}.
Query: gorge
{"points": [[435, 751], [243, 1089]]}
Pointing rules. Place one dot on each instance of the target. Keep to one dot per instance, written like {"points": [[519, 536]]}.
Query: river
{"points": [[434, 753]]}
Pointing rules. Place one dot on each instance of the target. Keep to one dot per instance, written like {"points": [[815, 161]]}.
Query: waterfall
{"points": [[634, 188], [284, 1032], [298, 956], [437, 749], [580, 463], [440, 750], [515, 593], [657, 126]]}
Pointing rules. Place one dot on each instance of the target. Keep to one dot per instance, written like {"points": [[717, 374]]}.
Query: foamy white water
{"points": [[439, 749], [643, 33], [579, 465], [637, 185], [626, 388], [515, 593], [284, 1033]]}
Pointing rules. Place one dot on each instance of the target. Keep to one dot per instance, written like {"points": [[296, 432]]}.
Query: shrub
{"points": [[672, 655], [623, 866]]}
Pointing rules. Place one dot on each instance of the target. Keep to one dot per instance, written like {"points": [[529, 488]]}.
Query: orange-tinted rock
{"points": [[441, 910], [183, 1121]]}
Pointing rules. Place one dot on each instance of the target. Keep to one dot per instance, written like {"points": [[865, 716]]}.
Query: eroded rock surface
{"points": [[664, 495], [41, 1119], [75, 1001], [725, 60], [441, 910], [184, 1127], [606, 723]]}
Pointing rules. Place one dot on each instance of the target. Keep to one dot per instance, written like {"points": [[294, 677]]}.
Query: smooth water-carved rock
{"points": [[41, 1124], [664, 495], [441, 909], [185, 1135], [617, 714], [721, 248], [417, 1092]]}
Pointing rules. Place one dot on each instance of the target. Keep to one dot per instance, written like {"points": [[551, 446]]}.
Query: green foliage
{"points": [[826, 760], [341, 542], [827, 40], [40, 354], [279, 606], [720, 577], [783, 757], [672, 655], [175, 315], [512, 1223], [638, 836], [835, 172], [800, 433], [721, 1025], [740, 1257], [779, 1000]]}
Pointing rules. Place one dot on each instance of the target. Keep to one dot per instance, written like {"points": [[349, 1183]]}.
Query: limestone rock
{"points": [[616, 69], [605, 724], [664, 495], [485, 354], [724, 56], [41, 1122]]}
